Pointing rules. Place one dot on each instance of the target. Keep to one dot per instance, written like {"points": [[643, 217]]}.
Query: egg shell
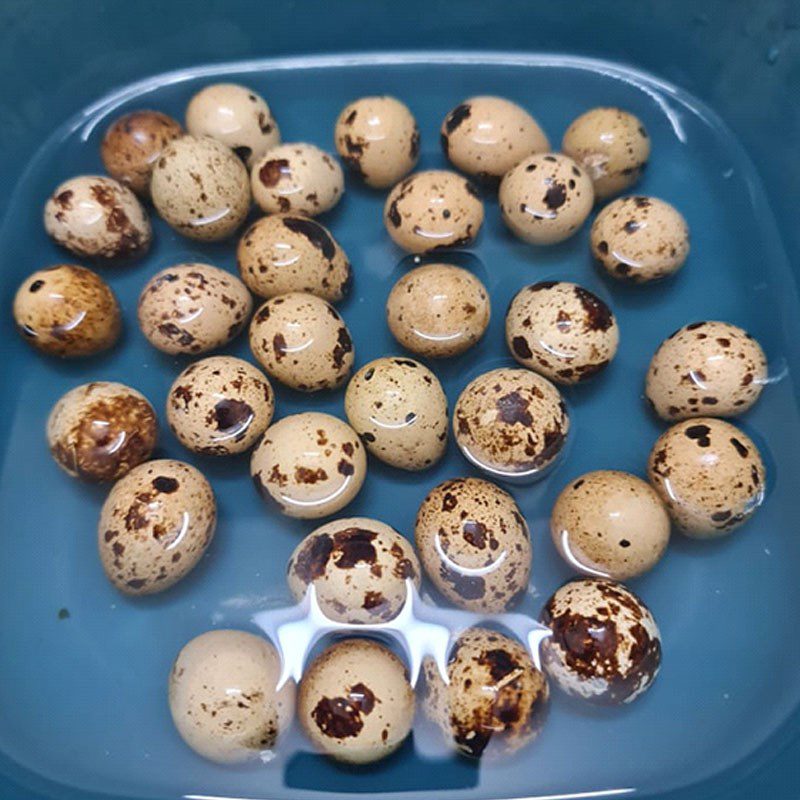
{"points": [[309, 465], [399, 409], [100, 431], [155, 525], [709, 474]]}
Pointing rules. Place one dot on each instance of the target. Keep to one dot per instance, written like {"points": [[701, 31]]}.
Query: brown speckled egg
{"points": [[438, 310], [640, 239], [433, 210], [222, 696], [100, 431], [355, 702], [561, 330], [301, 341], [309, 465], [235, 116], [474, 544], [378, 139], [193, 308], [706, 369], [605, 647], [67, 311], [359, 568], [610, 524], [285, 253], [97, 217], [220, 406], [200, 188], [511, 423], [155, 525], [132, 145], [398, 407], [612, 145], [496, 701], [709, 474], [487, 136], [297, 177]]}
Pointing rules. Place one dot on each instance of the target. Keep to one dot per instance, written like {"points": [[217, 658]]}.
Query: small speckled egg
{"points": [[709, 474], [496, 701], [301, 341], [610, 524], [487, 136], [605, 647], [155, 525], [309, 465], [545, 198], [612, 145], [67, 311], [223, 698], [378, 140], [220, 406], [132, 145], [100, 431], [511, 423], [285, 253], [399, 409], [561, 330], [438, 310], [97, 217], [706, 369], [355, 702], [193, 308], [359, 568], [297, 177], [640, 239], [433, 210], [474, 544], [235, 116], [200, 188]]}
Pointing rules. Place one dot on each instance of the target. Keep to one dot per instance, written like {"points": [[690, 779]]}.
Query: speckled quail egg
{"points": [[709, 474], [433, 210], [220, 406], [706, 369], [223, 698], [605, 647], [132, 145], [610, 524], [235, 116], [399, 409], [545, 198], [301, 341], [155, 525], [496, 701], [355, 702], [193, 308], [561, 330], [309, 465], [200, 188], [474, 544], [97, 217], [438, 310], [378, 139], [285, 253], [359, 568], [297, 177], [640, 239], [487, 136], [100, 431], [511, 423], [66, 310]]}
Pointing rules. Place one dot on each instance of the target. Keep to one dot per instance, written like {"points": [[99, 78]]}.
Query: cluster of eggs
{"points": [[355, 701]]}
